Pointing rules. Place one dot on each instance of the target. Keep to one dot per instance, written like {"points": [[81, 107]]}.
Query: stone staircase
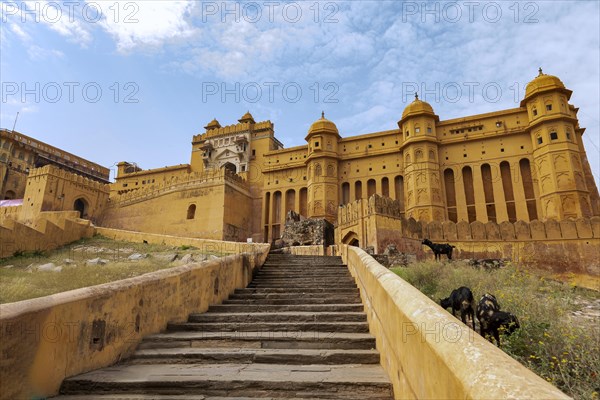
{"points": [[297, 331]]}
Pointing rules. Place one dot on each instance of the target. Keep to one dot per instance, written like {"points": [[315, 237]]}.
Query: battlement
{"points": [[233, 129], [377, 206], [178, 183], [51, 170]]}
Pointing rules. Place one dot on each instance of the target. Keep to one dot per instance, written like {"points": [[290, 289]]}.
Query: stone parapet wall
{"points": [[177, 184], [48, 231], [71, 177], [426, 352], [207, 245], [48, 339]]}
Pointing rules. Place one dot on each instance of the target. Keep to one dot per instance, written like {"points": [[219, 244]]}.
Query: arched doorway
{"points": [[9, 195], [230, 167], [82, 206], [351, 239]]}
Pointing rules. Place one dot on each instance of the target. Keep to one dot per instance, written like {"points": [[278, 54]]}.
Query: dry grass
{"points": [[559, 345], [22, 281]]}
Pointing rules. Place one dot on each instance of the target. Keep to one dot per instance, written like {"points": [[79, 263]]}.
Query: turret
{"points": [[322, 165], [423, 191], [557, 155]]}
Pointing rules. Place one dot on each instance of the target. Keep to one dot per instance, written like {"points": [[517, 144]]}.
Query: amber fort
{"points": [[517, 165], [295, 229]]}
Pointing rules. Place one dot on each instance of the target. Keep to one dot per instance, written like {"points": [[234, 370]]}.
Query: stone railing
{"points": [[45, 340], [179, 183], [427, 353]]}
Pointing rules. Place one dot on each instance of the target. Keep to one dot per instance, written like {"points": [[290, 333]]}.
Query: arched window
{"points": [[385, 187], [371, 187], [357, 190], [191, 211], [345, 193]]}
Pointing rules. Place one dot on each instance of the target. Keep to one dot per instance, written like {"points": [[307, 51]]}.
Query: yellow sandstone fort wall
{"points": [[45, 340], [212, 205]]}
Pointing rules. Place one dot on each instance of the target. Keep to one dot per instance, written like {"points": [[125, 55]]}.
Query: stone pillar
{"points": [[461, 200], [499, 199], [480, 207], [519, 191]]}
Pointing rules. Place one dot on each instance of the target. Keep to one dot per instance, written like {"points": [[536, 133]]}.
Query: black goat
{"points": [[502, 321], [439, 249], [461, 299], [486, 307]]}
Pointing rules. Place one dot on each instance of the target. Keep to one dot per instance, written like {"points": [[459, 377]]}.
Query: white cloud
{"points": [[37, 53], [146, 23]]}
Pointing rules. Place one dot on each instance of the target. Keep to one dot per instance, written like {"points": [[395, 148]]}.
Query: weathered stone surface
{"points": [[538, 230], [435, 231], [96, 261], [584, 228], [492, 231], [463, 230], [522, 230], [595, 221], [303, 232], [553, 229], [507, 231], [46, 267], [136, 256], [478, 230], [450, 232], [568, 229]]}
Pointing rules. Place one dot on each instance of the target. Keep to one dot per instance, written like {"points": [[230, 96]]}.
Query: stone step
{"points": [[301, 274], [160, 397], [305, 279], [348, 296], [282, 316], [233, 308], [304, 266], [261, 340], [307, 300], [198, 355], [324, 290], [346, 381], [301, 288], [303, 285], [303, 257], [288, 326]]}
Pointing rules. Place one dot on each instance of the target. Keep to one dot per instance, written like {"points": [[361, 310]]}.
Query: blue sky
{"points": [[166, 68]]}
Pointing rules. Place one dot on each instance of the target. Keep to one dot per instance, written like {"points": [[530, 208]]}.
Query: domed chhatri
{"points": [[322, 125], [214, 124], [417, 107], [543, 83], [247, 118]]}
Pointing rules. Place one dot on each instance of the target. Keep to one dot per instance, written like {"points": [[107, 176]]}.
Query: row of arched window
{"points": [[488, 177]]}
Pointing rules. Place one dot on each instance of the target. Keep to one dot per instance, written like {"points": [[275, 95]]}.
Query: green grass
{"points": [[21, 283], [561, 348]]}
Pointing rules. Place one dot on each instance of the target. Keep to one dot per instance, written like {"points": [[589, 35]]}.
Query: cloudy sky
{"points": [[135, 80]]}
